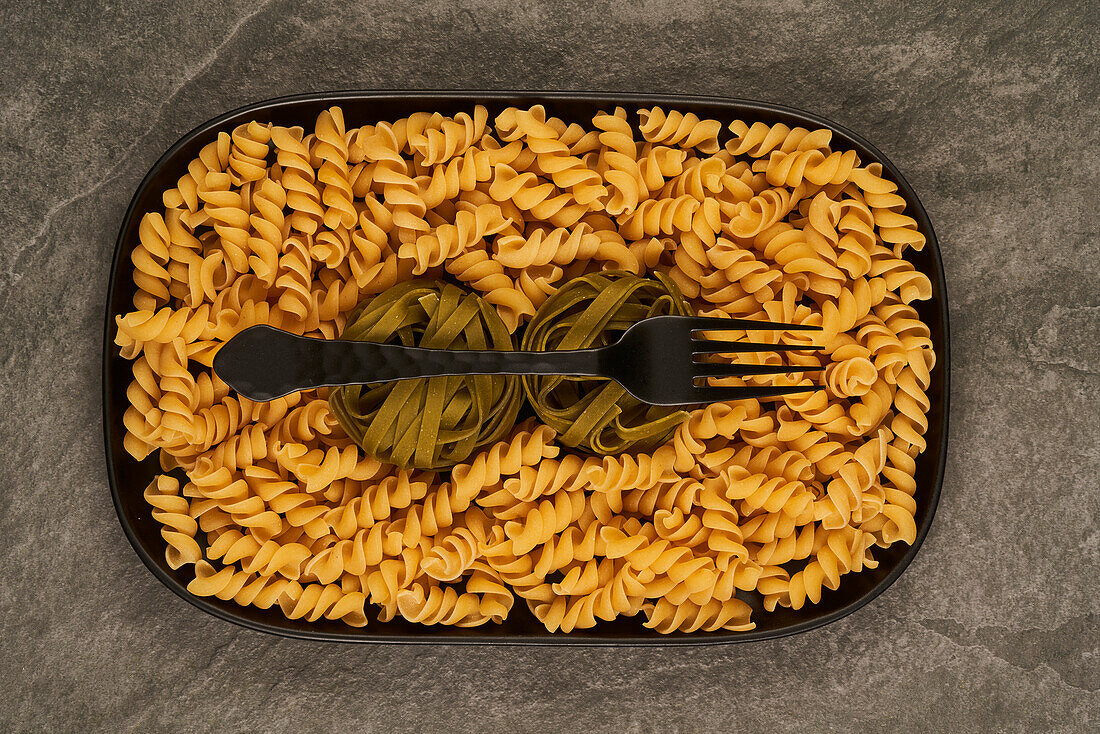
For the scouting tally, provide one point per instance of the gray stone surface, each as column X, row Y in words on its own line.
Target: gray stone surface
column 991, row 112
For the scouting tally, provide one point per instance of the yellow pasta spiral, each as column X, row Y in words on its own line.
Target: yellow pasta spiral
column 214, row 156
column 712, row 615
column 226, row 210
column 760, row 139
column 315, row 601
column 527, row 446
column 455, row 553
column 248, row 151
column 762, row 211
column 539, row 282
column 294, row 277
column 895, row 228
column 623, row 175
column 700, row 178
column 660, row 216
column 399, row 190
column 618, row 590
column 657, row 164
column 268, row 222
column 453, row 137
column 149, row 258
column 676, row 128
column 547, row 478
column 560, row 245
column 553, row 156
column 857, row 237
column 790, row 169
column 462, row 174
column 543, row 200
column 172, row 511
column 450, row 240
column 330, row 145
column 485, row 599
column 298, row 178
column 487, row 276
column 900, row 275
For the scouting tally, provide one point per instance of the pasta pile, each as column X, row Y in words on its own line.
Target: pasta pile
column 594, row 310
column 276, row 506
column 436, row 422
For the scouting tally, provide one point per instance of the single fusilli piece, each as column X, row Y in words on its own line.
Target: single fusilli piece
column 676, row 128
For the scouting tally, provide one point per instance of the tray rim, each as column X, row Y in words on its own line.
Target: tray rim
column 644, row 639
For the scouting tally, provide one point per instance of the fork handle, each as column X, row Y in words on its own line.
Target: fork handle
column 264, row 363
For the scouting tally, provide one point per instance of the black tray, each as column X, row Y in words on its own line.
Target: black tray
column 128, row 477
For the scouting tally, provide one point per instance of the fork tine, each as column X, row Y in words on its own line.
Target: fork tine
column 717, row 346
column 733, row 369
column 715, row 323
column 720, row 394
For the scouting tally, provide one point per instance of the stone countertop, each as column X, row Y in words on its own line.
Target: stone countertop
column 991, row 112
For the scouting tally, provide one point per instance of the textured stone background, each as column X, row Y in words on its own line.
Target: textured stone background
column 990, row 111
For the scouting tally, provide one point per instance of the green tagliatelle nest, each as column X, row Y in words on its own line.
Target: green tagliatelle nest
column 591, row 311
column 435, row 422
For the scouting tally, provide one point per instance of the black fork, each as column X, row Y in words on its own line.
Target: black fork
column 656, row 361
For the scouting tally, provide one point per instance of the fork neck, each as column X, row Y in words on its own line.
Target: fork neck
column 580, row 362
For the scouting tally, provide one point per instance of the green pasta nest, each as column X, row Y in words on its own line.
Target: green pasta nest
column 594, row 310
column 436, row 422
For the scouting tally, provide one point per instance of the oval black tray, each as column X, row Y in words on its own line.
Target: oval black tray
column 129, row 477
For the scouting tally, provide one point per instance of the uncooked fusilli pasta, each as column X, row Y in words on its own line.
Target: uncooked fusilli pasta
column 350, row 505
